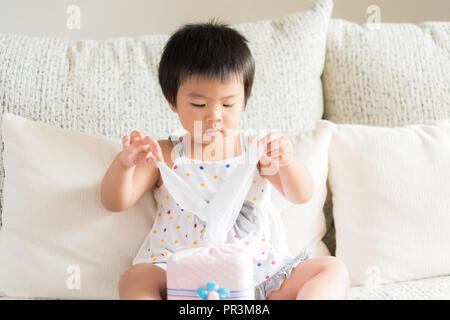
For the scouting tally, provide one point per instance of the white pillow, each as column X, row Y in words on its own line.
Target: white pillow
column 305, row 223
column 54, row 225
column 391, row 202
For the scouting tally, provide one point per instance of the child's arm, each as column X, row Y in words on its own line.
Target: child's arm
column 117, row 186
column 284, row 171
column 131, row 173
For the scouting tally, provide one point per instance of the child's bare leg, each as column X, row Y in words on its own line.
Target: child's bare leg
column 315, row 279
column 143, row 281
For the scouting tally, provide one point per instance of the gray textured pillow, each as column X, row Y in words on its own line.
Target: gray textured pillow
column 393, row 75
column 110, row 87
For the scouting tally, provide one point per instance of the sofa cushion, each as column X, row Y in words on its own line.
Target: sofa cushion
column 391, row 200
column 110, row 87
column 305, row 223
column 57, row 240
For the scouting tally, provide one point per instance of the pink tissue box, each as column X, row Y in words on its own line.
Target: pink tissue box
column 210, row 273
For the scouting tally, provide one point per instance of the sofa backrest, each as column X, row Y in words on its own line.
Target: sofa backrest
column 385, row 74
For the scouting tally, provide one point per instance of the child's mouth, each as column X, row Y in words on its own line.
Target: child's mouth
column 211, row 132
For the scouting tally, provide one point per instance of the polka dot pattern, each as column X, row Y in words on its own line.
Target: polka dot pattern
column 175, row 228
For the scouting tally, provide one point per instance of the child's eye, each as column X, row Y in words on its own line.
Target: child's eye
column 202, row 105
column 198, row 105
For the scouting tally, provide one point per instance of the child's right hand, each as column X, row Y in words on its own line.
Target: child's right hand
column 139, row 150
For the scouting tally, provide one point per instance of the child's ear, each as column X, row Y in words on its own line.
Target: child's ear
column 174, row 109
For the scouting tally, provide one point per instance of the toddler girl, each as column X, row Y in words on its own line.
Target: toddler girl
column 206, row 74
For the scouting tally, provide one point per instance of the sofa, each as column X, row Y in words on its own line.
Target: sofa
column 367, row 108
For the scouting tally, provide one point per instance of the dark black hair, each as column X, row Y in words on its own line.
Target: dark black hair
column 210, row 49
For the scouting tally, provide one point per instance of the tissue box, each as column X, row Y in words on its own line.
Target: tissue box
column 210, row 273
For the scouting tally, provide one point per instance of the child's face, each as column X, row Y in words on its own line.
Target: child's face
column 205, row 103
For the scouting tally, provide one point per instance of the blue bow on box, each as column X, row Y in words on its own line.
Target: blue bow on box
column 213, row 292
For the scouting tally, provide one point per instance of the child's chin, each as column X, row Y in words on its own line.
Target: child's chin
column 208, row 139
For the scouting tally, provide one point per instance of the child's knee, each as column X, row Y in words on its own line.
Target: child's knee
column 142, row 278
column 130, row 276
column 124, row 280
column 338, row 267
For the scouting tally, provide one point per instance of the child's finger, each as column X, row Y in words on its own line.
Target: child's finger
column 144, row 147
column 125, row 141
column 276, row 144
column 150, row 158
column 134, row 136
column 273, row 146
column 155, row 157
column 140, row 135
column 268, row 138
column 274, row 154
column 155, row 147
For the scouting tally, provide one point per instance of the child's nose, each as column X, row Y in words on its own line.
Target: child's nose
column 214, row 115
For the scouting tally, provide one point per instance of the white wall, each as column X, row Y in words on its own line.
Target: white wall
column 113, row 18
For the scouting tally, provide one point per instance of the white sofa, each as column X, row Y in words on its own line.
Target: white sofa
column 309, row 67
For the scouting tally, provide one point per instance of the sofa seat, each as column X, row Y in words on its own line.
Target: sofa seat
column 437, row 288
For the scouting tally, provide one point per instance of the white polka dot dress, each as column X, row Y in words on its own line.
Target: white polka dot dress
column 175, row 228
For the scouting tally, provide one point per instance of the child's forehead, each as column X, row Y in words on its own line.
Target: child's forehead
column 199, row 80
column 195, row 85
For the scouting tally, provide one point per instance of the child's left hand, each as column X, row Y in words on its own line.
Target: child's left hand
column 278, row 148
